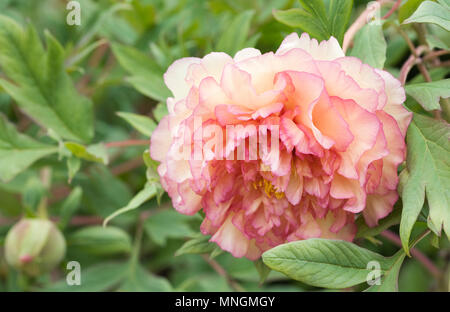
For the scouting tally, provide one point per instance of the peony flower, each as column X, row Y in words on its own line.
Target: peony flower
column 336, row 129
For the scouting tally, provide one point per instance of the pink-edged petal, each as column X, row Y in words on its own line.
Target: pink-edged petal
column 338, row 83
column 378, row 207
column 309, row 228
column 265, row 67
column 364, row 126
column 395, row 98
column 216, row 213
column 223, row 190
column 397, row 152
column 229, row 238
column 268, row 110
column 254, row 252
column 309, row 90
column 184, row 199
column 332, row 222
column 350, row 189
column 373, row 157
column 292, row 136
column 366, row 77
column 331, row 124
column 211, row 94
column 237, row 86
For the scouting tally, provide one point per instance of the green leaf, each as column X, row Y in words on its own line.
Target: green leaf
column 146, row 77
column 103, row 193
column 415, row 277
column 324, row 263
column 313, row 19
column 428, row 173
column 39, row 84
column 151, row 85
column 370, row 45
column 168, row 224
column 32, row 194
column 197, row 245
column 160, row 111
column 70, row 206
column 428, row 94
column 81, row 55
column 152, row 174
column 98, row 240
column 18, row 151
column 407, row 9
column 235, row 36
column 263, row 270
column 365, row 231
column 143, row 124
column 149, row 191
column 140, row 280
column 96, row 153
column 435, row 241
column 98, row 20
column 299, row 18
column 73, row 166
column 216, row 252
column 315, row 7
column 339, row 16
column 432, row 12
column 434, row 41
column 389, row 280
column 99, row 277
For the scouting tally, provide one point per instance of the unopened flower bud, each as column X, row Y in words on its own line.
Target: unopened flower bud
column 34, row 246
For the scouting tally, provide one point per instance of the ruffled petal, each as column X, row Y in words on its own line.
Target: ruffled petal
column 326, row 50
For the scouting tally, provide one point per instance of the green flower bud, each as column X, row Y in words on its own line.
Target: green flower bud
column 34, row 246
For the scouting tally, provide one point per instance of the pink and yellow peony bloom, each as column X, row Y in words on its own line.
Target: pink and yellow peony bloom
column 341, row 136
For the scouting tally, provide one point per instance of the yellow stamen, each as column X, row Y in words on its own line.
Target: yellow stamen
column 269, row 189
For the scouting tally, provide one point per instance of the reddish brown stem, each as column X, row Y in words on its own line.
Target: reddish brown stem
column 406, row 68
column 392, row 10
column 221, row 271
column 127, row 143
column 415, row 253
column 434, row 54
column 127, row 166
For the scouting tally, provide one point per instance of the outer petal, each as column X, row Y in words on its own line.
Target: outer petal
column 210, row 66
column 378, row 207
column 326, row 50
column 338, row 83
column 264, row 68
column 366, row 77
column 397, row 150
column 246, row 54
column 229, row 238
column 364, row 126
column 395, row 98
column 308, row 92
column 161, row 140
column 184, row 199
column 176, row 74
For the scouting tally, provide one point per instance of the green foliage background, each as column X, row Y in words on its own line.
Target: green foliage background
column 68, row 94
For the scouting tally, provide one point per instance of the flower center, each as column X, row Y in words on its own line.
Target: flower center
column 269, row 189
